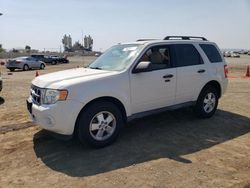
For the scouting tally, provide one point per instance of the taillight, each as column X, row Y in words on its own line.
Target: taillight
column 18, row 62
column 225, row 70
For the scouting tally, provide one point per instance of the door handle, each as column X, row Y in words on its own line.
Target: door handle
column 201, row 71
column 168, row 76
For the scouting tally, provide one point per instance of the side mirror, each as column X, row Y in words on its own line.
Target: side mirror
column 143, row 66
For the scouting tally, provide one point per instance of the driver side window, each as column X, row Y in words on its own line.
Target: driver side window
column 159, row 56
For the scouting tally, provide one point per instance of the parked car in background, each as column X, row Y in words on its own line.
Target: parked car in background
column 231, row 54
column 248, row 53
column 97, row 54
column 235, row 55
column 45, row 58
column 24, row 63
column 59, row 59
column 227, row 54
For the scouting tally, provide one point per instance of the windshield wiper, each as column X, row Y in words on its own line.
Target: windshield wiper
column 98, row 68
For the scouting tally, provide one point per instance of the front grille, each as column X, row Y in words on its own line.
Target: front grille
column 36, row 94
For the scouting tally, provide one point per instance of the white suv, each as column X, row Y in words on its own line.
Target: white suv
column 128, row 81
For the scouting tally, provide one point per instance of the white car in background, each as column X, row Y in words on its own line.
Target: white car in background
column 24, row 63
column 128, row 81
column 236, row 55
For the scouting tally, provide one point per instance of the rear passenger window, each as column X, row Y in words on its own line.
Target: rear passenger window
column 187, row 55
column 211, row 52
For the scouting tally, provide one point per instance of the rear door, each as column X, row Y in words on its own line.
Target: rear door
column 191, row 72
column 35, row 62
column 29, row 62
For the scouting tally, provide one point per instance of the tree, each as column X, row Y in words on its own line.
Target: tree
column 15, row 50
column 1, row 48
column 27, row 48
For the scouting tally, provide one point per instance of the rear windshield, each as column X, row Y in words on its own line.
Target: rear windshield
column 211, row 52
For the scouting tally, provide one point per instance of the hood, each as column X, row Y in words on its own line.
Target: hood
column 45, row 81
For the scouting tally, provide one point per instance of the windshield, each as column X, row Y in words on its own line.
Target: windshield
column 117, row 58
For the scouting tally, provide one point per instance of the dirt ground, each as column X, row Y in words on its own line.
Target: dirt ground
column 171, row 149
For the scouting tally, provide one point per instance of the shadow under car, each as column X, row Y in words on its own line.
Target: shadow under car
column 167, row 135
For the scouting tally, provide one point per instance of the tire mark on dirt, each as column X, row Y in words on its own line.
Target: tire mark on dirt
column 15, row 127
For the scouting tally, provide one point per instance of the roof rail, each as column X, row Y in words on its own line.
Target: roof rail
column 144, row 40
column 183, row 38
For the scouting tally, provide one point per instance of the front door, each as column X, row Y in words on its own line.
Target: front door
column 154, row 89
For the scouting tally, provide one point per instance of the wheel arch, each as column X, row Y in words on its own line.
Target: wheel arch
column 214, row 84
column 113, row 100
column 25, row 64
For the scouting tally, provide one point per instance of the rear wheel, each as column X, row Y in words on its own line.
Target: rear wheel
column 53, row 63
column 26, row 67
column 207, row 102
column 42, row 66
column 11, row 69
column 99, row 124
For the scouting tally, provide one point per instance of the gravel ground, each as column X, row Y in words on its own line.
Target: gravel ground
column 171, row 149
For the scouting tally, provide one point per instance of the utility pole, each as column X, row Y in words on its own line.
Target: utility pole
column 82, row 38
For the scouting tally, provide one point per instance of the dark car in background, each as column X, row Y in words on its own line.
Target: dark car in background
column 59, row 59
column 45, row 58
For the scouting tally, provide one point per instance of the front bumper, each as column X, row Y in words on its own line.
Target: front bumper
column 59, row 118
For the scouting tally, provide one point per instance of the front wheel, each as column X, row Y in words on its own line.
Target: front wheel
column 99, row 124
column 53, row 63
column 207, row 102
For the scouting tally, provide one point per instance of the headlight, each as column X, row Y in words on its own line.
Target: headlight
column 51, row 96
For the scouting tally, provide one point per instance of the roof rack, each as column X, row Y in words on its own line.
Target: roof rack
column 144, row 40
column 183, row 38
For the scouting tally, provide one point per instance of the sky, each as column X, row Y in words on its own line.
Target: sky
column 41, row 24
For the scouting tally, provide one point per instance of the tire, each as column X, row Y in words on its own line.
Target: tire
column 207, row 102
column 42, row 66
column 53, row 63
column 26, row 67
column 11, row 69
column 99, row 124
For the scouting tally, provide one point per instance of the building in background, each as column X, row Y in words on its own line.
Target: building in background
column 77, row 47
column 87, row 46
column 88, row 43
column 67, row 43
